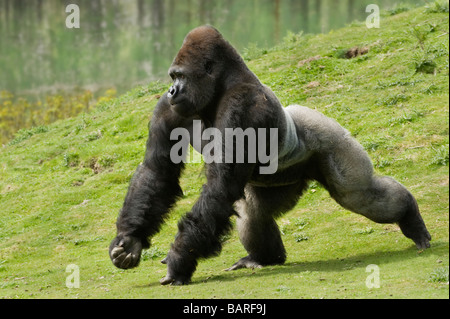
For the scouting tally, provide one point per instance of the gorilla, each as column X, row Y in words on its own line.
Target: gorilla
column 212, row 84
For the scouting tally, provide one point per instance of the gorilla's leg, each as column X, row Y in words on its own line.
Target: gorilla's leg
column 199, row 231
column 348, row 176
column 198, row 237
column 385, row 200
column 344, row 168
column 257, row 228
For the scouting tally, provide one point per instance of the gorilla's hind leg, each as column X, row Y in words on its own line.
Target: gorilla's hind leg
column 385, row 200
column 256, row 225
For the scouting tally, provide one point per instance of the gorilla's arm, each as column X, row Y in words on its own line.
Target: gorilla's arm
column 200, row 230
column 153, row 190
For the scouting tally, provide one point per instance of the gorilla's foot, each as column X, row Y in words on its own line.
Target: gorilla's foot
column 413, row 227
column 174, row 282
column 246, row 262
column 423, row 242
column 179, row 271
column 421, row 238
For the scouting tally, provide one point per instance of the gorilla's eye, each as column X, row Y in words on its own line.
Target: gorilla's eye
column 208, row 67
column 177, row 75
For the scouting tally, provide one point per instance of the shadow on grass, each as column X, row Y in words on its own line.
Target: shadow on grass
column 329, row 265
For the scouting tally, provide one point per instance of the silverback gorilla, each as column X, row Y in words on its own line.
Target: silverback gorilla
column 211, row 83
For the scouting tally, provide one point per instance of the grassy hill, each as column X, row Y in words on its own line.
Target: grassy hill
column 62, row 185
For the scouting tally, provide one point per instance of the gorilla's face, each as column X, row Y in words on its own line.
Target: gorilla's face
column 192, row 89
column 177, row 92
column 196, row 71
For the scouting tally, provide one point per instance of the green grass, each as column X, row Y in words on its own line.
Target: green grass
column 62, row 185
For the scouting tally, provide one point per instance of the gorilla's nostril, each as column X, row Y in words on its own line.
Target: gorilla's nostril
column 172, row 91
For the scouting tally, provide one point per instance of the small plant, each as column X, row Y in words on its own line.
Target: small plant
column 300, row 223
column 406, row 118
column 2, row 267
column 71, row 159
column 381, row 163
column 80, row 127
column 300, row 237
column 152, row 88
column 152, row 253
column 253, row 52
column 421, row 34
column 423, row 63
column 365, row 231
column 439, row 275
column 392, row 100
column 440, row 155
column 96, row 135
column 399, row 8
column 283, row 289
column 292, row 39
column 25, row 134
column 107, row 160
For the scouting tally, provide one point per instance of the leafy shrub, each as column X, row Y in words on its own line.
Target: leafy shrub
column 18, row 114
column 439, row 6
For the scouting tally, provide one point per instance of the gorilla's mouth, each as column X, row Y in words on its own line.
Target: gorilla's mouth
column 183, row 108
column 177, row 99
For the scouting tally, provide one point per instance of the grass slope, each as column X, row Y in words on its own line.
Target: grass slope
column 61, row 186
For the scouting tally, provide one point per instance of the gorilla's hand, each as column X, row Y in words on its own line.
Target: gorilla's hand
column 125, row 251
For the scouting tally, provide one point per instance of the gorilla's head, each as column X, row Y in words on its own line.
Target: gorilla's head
column 198, row 70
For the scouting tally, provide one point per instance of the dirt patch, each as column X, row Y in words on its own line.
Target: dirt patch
column 94, row 164
column 355, row 52
column 312, row 84
column 308, row 60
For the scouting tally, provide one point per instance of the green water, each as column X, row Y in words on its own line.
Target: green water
column 125, row 42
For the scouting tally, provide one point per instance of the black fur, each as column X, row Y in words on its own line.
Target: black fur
column 213, row 84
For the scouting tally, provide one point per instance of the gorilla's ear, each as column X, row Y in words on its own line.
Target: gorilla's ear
column 209, row 66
